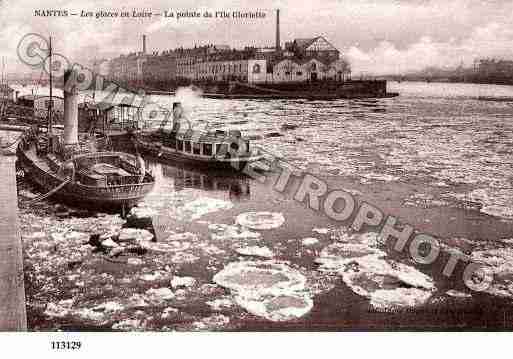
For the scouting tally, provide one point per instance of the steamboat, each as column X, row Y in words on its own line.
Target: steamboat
column 76, row 168
column 226, row 150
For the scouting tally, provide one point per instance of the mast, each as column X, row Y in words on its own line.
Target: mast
column 50, row 105
column 3, row 69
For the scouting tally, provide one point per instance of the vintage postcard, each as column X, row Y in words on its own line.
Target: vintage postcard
column 251, row 166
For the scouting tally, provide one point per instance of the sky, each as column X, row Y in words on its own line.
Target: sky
column 376, row 36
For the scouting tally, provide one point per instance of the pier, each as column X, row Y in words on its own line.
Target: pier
column 12, row 289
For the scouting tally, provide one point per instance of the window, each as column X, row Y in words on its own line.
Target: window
column 287, row 72
column 196, row 148
column 256, row 68
column 207, row 149
column 171, row 142
column 188, row 146
column 299, row 73
column 179, row 145
column 221, row 149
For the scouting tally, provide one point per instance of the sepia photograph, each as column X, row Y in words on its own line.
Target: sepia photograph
column 272, row 166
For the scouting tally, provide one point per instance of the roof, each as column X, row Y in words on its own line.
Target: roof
column 31, row 97
column 303, row 44
column 212, row 137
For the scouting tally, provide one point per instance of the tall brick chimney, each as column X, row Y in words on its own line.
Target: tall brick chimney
column 278, row 47
column 144, row 45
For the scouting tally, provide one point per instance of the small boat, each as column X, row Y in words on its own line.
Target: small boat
column 103, row 180
column 216, row 149
column 76, row 168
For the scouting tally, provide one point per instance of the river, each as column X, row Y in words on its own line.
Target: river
column 437, row 157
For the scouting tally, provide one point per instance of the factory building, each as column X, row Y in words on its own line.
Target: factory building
column 301, row 60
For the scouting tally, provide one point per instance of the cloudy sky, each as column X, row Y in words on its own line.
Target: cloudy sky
column 377, row 36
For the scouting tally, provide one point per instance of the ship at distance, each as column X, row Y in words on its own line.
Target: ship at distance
column 303, row 68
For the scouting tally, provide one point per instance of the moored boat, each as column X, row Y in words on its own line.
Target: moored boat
column 103, row 180
column 217, row 149
column 74, row 168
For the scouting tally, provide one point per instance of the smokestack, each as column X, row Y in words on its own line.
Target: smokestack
column 70, row 109
column 278, row 47
column 144, row 45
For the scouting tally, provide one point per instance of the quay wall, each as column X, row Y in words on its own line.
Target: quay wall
column 13, row 315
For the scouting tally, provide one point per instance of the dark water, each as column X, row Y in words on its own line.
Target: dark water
column 436, row 157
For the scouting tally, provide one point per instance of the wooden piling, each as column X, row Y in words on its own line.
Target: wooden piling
column 13, row 315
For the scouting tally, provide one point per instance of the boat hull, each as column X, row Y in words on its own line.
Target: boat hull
column 78, row 195
column 168, row 154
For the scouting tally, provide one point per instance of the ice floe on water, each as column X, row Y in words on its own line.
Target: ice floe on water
column 399, row 298
column 182, row 282
column 205, row 205
column 159, row 295
column 309, row 241
column 214, row 322
column 336, row 256
column 221, row 232
column 458, row 294
column 260, row 220
column 269, row 289
column 255, row 251
column 424, row 200
column 497, row 263
column 492, row 201
column 277, row 308
column 366, row 271
column 221, row 303
column 134, row 235
column 321, row 230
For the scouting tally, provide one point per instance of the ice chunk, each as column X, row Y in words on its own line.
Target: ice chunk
column 205, row 205
column 60, row 309
column 309, row 241
column 178, row 282
column 134, row 261
column 133, row 234
column 255, row 251
column 269, row 289
column 336, row 256
column 277, row 308
column 231, row 232
column 161, row 247
column 142, row 212
column 412, row 276
column 458, row 294
column 220, row 303
column 160, row 294
column 321, row 230
column 260, row 220
column 128, row 324
column 35, row 235
column 109, row 307
column 213, row 322
column 399, row 298
column 261, row 278
column 109, row 243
